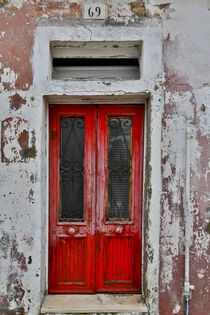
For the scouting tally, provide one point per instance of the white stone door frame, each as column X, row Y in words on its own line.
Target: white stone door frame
column 147, row 89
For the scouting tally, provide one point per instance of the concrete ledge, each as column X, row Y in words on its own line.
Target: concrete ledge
column 97, row 303
column 130, row 313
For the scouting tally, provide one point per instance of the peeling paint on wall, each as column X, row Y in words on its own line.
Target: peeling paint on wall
column 14, row 138
column 17, row 265
column 180, row 94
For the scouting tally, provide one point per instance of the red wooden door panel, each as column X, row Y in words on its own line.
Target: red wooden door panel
column 119, row 186
column 71, row 250
column 95, row 205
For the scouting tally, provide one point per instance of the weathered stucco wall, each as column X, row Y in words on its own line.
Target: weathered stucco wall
column 180, row 94
column 187, row 92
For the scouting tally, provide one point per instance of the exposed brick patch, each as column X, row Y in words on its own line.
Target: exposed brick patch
column 23, row 139
column 76, row 10
column 60, row 9
column 16, row 101
column 16, row 46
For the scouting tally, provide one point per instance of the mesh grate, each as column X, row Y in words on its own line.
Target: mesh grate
column 119, row 168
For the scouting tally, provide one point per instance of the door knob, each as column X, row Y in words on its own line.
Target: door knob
column 72, row 230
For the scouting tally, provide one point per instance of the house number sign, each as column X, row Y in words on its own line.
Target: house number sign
column 94, row 11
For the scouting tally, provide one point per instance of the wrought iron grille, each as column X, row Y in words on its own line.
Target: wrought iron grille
column 119, row 168
column 72, row 169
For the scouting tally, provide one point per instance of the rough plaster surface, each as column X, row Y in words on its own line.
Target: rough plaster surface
column 178, row 29
column 186, row 91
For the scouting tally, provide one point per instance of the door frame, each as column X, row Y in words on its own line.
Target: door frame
column 139, row 99
column 147, row 90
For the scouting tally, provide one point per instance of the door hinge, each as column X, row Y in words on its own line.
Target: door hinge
column 53, row 133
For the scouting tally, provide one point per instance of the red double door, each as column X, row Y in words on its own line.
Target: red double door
column 95, row 198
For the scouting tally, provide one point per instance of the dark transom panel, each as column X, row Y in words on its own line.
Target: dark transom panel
column 72, row 169
column 119, row 168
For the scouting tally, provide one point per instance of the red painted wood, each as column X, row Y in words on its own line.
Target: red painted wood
column 96, row 258
column 118, row 258
column 71, row 257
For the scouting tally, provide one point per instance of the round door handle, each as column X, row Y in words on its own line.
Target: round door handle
column 72, row 230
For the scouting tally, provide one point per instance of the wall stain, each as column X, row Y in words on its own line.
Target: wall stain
column 15, row 255
column 149, row 253
column 33, row 178
column 31, row 196
column 28, row 152
column 207, row 228
column 29, row 241
column 3, row 3
column 4, row 244
column 29, row 260
column 163, row 6
column 175, row 82
column 139, row 9
column 14, row 312
column 33, row 138
column 15, row 289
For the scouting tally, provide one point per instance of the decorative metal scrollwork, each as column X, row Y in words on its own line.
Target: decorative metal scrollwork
column 120, row 123
column 72, row 169
column 72, row 122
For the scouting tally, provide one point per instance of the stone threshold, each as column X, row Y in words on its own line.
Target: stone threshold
column 93, row 303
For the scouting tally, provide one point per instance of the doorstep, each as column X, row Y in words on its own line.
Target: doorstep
column 95, row 303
